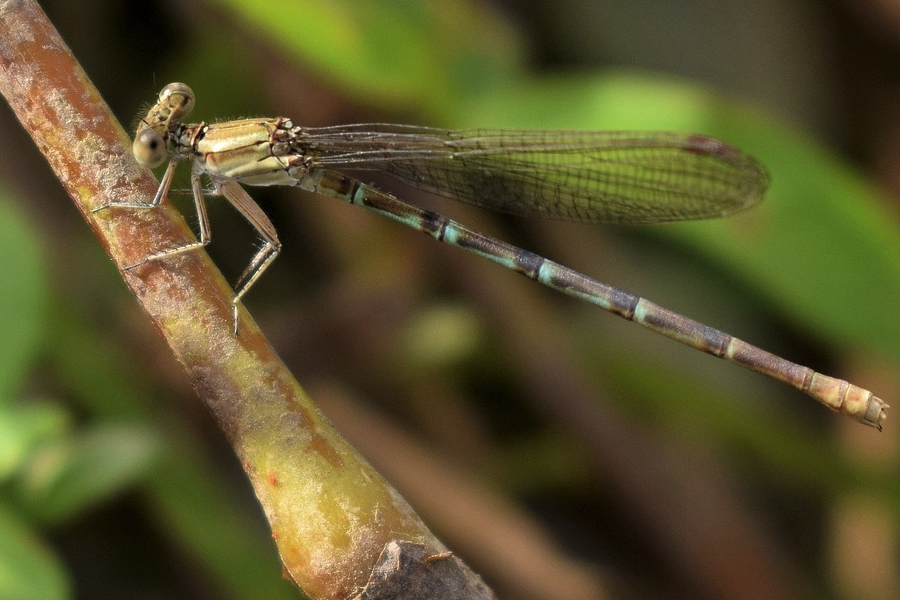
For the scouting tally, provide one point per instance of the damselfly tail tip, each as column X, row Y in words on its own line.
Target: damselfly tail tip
column 858, row 403
column 875, row 413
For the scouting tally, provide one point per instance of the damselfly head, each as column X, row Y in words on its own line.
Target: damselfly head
column 149, row 148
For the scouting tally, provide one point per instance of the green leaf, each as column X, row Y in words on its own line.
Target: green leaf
column 23, row 294
column 76, row 472
column 24, row 428
column 28, row 569
column 403, row 55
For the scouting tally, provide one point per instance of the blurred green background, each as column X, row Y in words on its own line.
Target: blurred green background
column 659, row 471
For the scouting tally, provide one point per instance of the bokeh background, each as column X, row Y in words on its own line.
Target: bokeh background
column 560, row 451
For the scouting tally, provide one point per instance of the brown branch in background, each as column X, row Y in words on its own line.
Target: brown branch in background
column 340, row 529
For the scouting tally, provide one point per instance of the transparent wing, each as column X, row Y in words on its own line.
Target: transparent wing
column 587, row 176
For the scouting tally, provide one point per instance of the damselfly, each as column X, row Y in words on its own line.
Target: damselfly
column 587, row 176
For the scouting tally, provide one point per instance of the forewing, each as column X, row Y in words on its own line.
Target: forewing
column 588, row 176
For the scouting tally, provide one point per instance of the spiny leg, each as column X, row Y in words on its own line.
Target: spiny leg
column 161, row 192
column 251, row 211
column 200, row 206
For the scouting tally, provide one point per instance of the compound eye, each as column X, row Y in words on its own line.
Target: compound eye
column 149, row 149
column 186, row 102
